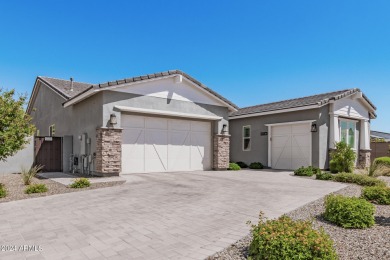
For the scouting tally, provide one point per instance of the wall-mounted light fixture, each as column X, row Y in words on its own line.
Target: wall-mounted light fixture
column 314, row 127
column 224, row 129
column 113, row 120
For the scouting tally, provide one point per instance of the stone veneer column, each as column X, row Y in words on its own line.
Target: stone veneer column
column 364, row 158
column 108, row 160
column 221, row 152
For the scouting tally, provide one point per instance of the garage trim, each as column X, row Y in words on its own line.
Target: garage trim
column 286, row 123
column 165, row 113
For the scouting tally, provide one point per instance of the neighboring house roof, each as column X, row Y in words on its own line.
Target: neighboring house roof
column 63, row 86
column 383, row 135
column 302, row 102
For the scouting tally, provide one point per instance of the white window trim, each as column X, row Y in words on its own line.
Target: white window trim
column 243, row 138
column 51, row 131
column 353, row 121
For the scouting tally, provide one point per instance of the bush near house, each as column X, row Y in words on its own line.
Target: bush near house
column 284, row 238
column 325, row 176
column 349, row 212
column 3, row 191
column 36, row 188
column 80, row 183
column 342, row 158
column 380, row 167
column 256, row 165
column 307, row 171
column 234, row 167
column 363, row 180
column 377, row 195
column 242, row 165
column 28, row 175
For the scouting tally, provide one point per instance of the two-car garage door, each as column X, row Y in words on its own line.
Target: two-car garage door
column 155, row 144
column 290, row 146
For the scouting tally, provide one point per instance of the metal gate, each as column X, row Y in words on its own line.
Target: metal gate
column 48, row 152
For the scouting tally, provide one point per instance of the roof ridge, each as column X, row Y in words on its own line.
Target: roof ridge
column 291, row 99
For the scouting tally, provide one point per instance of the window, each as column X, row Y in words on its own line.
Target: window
column 348, row 132
column 52, row 130
column 38, row 132
column 246, row 138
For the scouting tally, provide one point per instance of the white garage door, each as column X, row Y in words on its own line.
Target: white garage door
column 152, row 144
column 291, row 146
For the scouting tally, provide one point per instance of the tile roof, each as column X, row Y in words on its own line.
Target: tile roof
column 383, row 135
column 63, row 87
column 320, row 99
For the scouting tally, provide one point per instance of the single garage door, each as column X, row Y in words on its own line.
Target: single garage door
column 154, row 144
column 291, row 146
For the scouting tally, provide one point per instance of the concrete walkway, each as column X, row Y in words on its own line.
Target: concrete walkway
column 67, row 179
column 153, row 216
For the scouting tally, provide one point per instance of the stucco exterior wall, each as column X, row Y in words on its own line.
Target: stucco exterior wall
column 112, row 98
column 22, row 159
column 259, row 145
column 48, row 110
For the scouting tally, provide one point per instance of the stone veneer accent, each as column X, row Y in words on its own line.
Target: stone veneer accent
column 108, row 151
column 364, row 159
column 221, row 152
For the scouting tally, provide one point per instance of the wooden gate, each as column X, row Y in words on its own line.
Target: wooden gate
column 48, row 152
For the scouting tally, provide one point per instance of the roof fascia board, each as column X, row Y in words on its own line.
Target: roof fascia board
column 165, row 113
column 231, row 108
column 276, row 111
column 86, row 94
column 32, row 97
column 292, row 123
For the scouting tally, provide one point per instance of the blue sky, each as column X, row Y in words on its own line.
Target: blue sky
column 251, row 52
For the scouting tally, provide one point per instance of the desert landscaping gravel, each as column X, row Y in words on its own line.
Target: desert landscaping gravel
column 371, row 243
column 15, row 187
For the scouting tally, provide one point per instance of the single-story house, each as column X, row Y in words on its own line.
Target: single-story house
column 169, row 121
column 301, row 132
column 380, row 135
column 153, row 123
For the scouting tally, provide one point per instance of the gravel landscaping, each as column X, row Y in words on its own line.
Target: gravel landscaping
column 371, row 243
column 15, row 187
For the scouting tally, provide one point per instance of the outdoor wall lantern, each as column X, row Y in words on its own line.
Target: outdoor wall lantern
column 224, row 129
column 113, row 120
column 314, row 127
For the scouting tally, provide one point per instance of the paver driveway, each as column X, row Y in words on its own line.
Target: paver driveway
column 153, row 216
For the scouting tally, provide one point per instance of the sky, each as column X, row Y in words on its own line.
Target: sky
column 251, row 52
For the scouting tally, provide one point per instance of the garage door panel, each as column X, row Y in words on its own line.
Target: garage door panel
column 290, row 146
column 167, row 144
column 200, row 126
column 132, row 122
column 180, row 125
column 281, row 130
column 156, row 123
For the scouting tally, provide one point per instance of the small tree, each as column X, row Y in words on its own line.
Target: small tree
column 343, row 158
column 15, row 124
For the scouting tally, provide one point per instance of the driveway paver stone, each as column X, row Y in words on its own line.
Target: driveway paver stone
column 154, row 216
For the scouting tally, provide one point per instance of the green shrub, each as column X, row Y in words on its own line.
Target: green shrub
column 234, row 167
column 378, row 195
column 343, row 158
column 324, row 176
column 380, row 166
column 27, row 175
column 35, row 188
column 349, row 212
column 284, row 238
column 242, row 165
column 80, row 183
column 333, row 166
column 307, row 171
column 256, row 165
column 3, row 191
column 359, row 179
